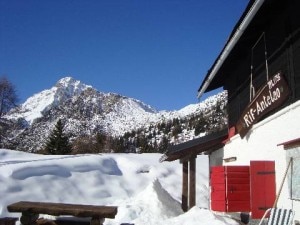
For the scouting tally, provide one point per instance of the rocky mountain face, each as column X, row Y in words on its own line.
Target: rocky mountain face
column 86, row 111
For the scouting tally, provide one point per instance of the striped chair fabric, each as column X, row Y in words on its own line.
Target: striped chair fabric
column 279, row 216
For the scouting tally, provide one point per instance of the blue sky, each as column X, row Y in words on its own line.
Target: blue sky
column 156, row 51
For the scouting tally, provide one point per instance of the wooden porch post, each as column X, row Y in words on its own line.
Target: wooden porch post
column 185, row 184
column 192, row 186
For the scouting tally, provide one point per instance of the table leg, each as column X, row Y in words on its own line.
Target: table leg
column 28, row 218
column 97, row 221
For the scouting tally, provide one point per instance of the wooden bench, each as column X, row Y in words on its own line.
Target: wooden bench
column 31, row 210
column 8, row 221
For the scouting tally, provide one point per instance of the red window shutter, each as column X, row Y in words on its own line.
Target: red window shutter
column 218, row 189
column 263, row 188
column 230, row 188
column 238, row 188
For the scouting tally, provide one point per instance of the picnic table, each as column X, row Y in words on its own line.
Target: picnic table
column 31, row 210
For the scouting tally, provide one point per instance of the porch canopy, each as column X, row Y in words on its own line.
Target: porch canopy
column 202, row 145
column 291, row 144
column 187, row 153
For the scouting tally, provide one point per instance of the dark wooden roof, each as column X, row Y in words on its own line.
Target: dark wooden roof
column 241, row 48
column 205, row 144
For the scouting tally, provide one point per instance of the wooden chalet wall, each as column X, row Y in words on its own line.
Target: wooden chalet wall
column 280, row 22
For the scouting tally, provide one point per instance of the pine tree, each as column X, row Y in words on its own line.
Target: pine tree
column 100, row 142
column 176, row 130
column 58, row 143
column 201, row 125
column 163, row 144
column 118, row 145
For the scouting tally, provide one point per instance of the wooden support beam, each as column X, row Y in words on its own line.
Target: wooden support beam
column 185, row 184
column 192, row 186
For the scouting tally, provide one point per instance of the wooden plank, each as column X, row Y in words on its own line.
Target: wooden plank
column 218, row 206
column 238, row 175
column 239, row 180
column 217, row 178
column 218, row 196
column 236, row 169
column 237, row 187
column 239, row 196
column 218, row 187
column 185, row 184
column 238, row 206
column 58, row 209
column 217, row 169
column 192, row 187
column 8, row 221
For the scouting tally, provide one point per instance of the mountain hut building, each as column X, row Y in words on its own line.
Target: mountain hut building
column 255, row 163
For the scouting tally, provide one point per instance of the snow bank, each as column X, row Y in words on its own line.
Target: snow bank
column 146, row 192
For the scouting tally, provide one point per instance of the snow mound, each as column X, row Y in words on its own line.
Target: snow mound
column 155, row 206
column 152, row 203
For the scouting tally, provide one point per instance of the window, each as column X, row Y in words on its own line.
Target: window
column 294, row 177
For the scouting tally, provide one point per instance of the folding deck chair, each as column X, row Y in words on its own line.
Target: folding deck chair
column 279, row 216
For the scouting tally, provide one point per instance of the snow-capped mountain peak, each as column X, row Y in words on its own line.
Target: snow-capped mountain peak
column 35, row 106
column 86, row 111
column 71, row 86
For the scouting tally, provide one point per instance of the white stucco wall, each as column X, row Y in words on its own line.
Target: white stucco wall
column 261, row 144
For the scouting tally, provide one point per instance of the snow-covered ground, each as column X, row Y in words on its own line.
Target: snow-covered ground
column 146, row 191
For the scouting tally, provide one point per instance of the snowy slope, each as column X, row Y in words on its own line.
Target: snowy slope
column 146, row 192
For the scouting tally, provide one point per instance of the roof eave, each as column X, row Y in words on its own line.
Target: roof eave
column 229, row 46
column 202, row 145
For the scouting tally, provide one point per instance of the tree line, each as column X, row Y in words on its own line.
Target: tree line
column 58, row 143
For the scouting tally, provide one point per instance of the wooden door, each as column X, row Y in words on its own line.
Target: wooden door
column 263, row 188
